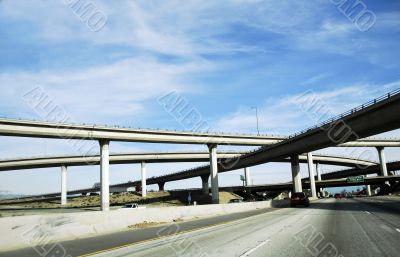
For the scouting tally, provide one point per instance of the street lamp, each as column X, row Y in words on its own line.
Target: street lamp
column 258, row 131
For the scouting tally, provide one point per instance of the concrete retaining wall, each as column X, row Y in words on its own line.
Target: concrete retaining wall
column 25, row 231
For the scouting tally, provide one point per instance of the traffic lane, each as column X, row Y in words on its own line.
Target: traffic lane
column 232, row 239
column 336, row 228
column 387, row 210
column 328, row 228
column 98, row 243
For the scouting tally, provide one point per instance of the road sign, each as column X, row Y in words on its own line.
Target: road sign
column 355, row 179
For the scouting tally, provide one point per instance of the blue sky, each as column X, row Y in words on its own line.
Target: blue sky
column 223, row 57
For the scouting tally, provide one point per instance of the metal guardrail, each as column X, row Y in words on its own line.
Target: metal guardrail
column 141, row 129
column 117, row 154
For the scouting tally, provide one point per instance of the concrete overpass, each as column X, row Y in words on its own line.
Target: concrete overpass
column 40, row 129
column 160, row 157
column 367, row 120
column 338, row 182
column 337, row 179
column 374, row 169
column 364, row 121
column 27, row 128
column 129, row 158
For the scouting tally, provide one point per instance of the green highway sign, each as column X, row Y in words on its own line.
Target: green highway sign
column 355, row 179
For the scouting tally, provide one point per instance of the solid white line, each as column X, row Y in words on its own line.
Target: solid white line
column 398, row 230
column 255, row 248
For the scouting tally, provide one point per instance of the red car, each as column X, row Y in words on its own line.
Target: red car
column 338, row 196
column 299, row 199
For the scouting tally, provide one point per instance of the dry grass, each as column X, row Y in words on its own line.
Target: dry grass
column 145, row 225
column 156, row 199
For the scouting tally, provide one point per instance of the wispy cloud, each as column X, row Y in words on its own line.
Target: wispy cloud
column 285, row 116
column 109, row 91
column 316, row 78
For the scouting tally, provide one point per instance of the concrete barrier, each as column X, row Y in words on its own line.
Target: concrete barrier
column 28, row 231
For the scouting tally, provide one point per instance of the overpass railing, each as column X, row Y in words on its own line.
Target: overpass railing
column 349, row 112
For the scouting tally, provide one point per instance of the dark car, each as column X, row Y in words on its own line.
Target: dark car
column 338, row 196
column 235, row 201
column 299, row 199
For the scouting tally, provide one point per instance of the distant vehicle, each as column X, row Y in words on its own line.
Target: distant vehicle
column 131, row 206
column 92, row 194
column 299, row 199
column 235, row 201
column 338, row 196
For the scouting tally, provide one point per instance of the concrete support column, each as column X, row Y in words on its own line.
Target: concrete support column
column 318, row 168
column 369, row 190
column 204, row 184
column 214, row 173
column 247, row 176
column 368, row 187
column 63, row 184
column 144, row 184
column 104, row 175
column 161, row 186
column 382, row 162
column 297, row 187
column 311, row 175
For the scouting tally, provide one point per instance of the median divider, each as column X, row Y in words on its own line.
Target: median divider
column 29, row 231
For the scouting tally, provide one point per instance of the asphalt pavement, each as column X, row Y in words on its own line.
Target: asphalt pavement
column 347, row 227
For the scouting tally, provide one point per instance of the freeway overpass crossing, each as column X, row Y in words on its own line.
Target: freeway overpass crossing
column 367, row 120
column 40, row 129
column 158, row 157
column 337, row 182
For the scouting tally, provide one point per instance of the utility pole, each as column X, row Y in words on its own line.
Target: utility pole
column 258, row 131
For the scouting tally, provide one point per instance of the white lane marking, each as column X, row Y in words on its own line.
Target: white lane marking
column 255, row 248
column 398, row 230
column 367, row 212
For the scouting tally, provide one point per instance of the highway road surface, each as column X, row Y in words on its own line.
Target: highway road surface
column 347, row 227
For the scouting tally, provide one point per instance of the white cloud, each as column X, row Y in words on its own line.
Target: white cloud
column 297, row 112
column 316, row 78
column 171, row 27
column 105, row 92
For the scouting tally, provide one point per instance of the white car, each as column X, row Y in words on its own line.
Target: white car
column 132, row 206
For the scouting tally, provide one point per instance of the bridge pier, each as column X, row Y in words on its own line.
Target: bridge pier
column 204, row 184
column 104, row 175
column 161, row 186
column 214, row 173
column 369, row 190
column 297, row 187
column 319, row 179
column 382, row 162
column 318, row 168
column 247, row 176
column 144, row 184
column 311, row 175
column 63, row 184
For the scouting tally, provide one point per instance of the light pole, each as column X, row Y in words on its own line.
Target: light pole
column 258, row 131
